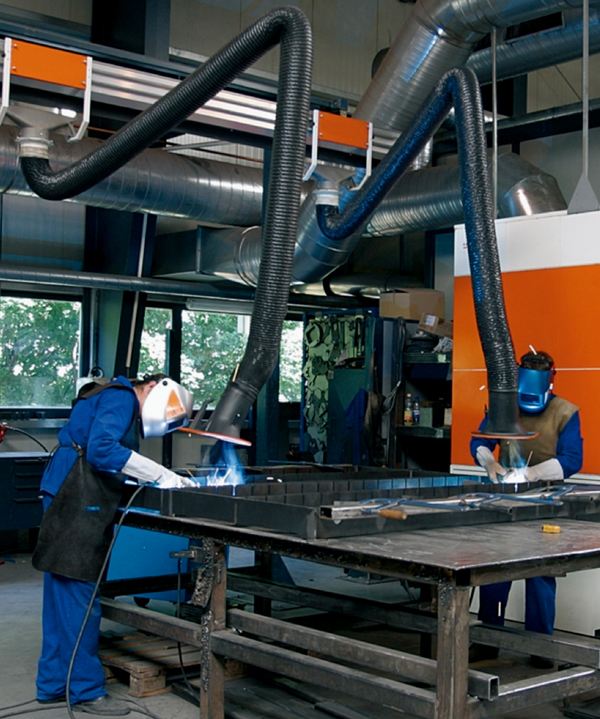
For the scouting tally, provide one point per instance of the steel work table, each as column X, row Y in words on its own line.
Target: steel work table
column 451, row 559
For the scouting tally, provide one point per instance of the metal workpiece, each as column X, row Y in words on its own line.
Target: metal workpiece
column 343, row 506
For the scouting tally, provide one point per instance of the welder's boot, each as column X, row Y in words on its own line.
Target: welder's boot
column 103, row 706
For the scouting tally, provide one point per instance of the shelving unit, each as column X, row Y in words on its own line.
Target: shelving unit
column 428, row 376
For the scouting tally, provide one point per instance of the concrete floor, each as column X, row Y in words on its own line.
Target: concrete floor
column 20, row 640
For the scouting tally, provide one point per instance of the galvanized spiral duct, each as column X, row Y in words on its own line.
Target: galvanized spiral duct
column 460, row 88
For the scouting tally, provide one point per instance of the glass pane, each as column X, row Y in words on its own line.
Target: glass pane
column 39, row 352
column 290, row 362
column 153, row 350
column 211, row 347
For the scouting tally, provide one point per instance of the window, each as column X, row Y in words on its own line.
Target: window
column 39, row 351
column 290, row 362
column 153, row 349
column 211, row 347
column 212, row 344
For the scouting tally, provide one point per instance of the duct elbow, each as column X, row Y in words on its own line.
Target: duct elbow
column 524, row 189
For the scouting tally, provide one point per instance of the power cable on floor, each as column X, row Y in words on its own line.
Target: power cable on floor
column 14, row 706
column 189, row 687
column 139, row 707
column 91, row 602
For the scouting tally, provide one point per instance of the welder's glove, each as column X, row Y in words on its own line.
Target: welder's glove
column 550, row 469
column 147, row 471
column 486, row 459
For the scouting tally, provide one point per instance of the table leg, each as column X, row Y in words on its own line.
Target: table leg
column 452, row 651
column 212, row 675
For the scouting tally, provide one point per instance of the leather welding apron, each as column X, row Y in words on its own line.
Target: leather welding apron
column 77, row 527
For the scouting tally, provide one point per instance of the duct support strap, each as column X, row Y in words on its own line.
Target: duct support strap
column 290, row 28
column 460, row 88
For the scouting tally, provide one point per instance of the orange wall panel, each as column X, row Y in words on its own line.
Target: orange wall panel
column 556, row 310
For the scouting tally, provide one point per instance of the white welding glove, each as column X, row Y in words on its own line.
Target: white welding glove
column 550, row 469
column 486, row 459
column 147, row 471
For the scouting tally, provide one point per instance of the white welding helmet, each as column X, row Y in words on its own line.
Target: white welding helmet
column 168, row 406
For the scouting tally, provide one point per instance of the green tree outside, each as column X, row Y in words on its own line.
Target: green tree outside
column 40, row 340
column 39, row 352
column 212, row 346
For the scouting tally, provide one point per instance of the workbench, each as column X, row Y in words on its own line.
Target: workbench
column 452, row 560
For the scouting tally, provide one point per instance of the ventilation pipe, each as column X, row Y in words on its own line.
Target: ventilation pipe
column 154, row 182
column 289, row 28
column 432, row 198
column 168, row 184
column 156, row 286
column 459, row 87
column 538, row 50
column 436, row 36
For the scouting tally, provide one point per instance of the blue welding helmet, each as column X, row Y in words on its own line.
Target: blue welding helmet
column 536, row 379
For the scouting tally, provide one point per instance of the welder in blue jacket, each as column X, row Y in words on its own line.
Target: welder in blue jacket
column 81, row 490
column 556, row 453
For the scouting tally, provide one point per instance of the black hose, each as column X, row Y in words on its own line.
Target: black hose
column 27, row 434
column 458, row 87
column 289, row 27
column 279, row 231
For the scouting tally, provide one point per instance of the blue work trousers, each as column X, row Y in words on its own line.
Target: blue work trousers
column 65, row 602
column 540, row 603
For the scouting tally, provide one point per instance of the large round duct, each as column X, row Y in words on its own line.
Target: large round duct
column 431, row 198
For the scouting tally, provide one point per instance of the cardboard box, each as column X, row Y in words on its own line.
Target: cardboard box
column 411, row 303
column 435, row 325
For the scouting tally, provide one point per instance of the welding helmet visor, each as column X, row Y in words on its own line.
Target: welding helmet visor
column 167, row 407
column 535, row 389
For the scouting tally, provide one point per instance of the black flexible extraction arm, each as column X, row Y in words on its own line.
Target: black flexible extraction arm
column 288, row 27
column 458, row 87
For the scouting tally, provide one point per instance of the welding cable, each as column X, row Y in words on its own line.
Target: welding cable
column 15, row 706
column 22, row 431
column 458, row 87
column 34, row 710
column 289, row 27
column 91, row 602
column 184, row 675
column 141, row 709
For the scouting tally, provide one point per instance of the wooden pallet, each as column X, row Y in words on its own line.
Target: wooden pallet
column 148, row 661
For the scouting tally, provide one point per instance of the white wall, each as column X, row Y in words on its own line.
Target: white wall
column 347, row 34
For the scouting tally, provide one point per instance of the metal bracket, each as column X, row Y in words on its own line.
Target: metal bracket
column 50, row 65
column 341, row 131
